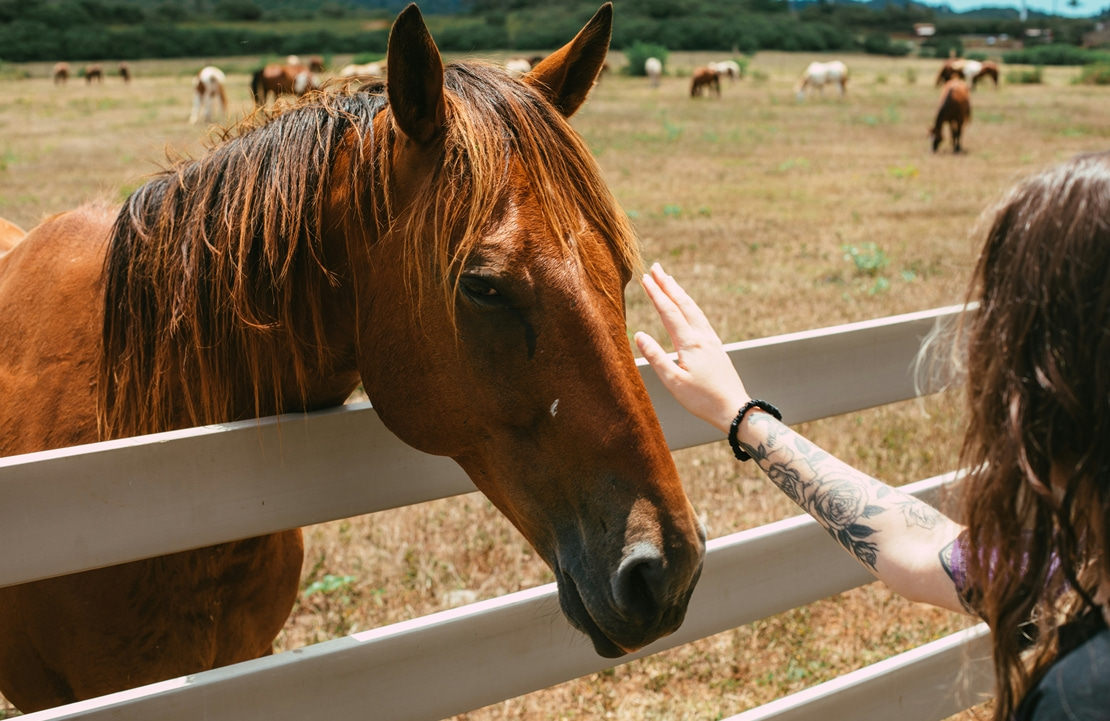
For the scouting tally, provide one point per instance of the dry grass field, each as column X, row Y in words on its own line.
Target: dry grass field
column 777, row 215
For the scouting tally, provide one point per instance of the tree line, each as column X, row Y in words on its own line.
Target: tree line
column 43, row 30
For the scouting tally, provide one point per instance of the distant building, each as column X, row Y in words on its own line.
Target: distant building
column 924, row 30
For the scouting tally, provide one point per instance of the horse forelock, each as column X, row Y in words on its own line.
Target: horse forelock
column 494, row 119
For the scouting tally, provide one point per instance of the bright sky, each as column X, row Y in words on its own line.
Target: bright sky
column 1086, row 8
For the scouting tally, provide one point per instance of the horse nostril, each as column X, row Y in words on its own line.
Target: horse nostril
column 639, row 583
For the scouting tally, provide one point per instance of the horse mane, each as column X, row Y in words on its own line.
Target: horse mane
column 217, row 263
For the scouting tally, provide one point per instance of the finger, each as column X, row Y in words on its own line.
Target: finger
column 674, row 320
column 678, row 295
column 657, row 358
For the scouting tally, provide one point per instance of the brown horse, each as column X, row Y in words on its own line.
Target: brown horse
column 125, row 72
column 447, row 240
column 94, row 72
column 989, row 70
column 277, row 80
column 954, row 110
column 704, row 79
column 61, row 73
column 10, row 234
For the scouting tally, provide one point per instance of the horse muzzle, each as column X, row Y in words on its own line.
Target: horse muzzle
column 643, row 598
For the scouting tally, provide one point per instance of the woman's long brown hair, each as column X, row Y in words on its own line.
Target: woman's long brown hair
column 1038, row 442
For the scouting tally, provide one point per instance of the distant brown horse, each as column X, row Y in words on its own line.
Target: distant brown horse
column 954, row 111
column 316, row 63
column 125, row 72
column 705, row 79
column 61, row 73
column 94, row 72
column 277, row 79
column 989, row 70
column 449, row 242
column 10, row 234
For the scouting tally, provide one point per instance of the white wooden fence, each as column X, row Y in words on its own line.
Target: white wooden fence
column 106, row 503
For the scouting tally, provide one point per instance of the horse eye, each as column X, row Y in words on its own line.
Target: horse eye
column 481, row 291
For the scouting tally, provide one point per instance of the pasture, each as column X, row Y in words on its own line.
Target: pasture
column 778, row 216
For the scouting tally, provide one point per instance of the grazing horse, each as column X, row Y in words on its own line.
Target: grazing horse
column 706, row 79
column 208, row 87
column 316, row 63
column 10, row 234
column 970, row 70
column 818, row 75
column 278, row 79
column 653, row 67
column 125, row 72
column 989, row 69
column 954, row 110
column 518, row 66
column 368, row 72
column 728, row 68
column 94, row 72
column 449, row 242
column 61, row 73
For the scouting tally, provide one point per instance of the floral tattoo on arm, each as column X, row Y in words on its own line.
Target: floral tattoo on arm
column 840, row 498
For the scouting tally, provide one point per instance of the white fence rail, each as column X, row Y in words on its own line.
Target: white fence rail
column 106, row 503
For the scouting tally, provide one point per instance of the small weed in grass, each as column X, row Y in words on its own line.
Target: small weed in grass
column 672, row 211
column 911, row 76
column 909, row 171
column 868, row 258
column 793, row 163
column 880, row 79
column 760, row 75
column 328, row 584
column 1034, row 76
column 672, row 131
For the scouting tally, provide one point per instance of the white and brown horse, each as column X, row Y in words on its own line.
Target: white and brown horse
column 208, row 88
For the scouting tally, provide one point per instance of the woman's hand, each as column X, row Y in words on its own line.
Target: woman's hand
column 703, row 380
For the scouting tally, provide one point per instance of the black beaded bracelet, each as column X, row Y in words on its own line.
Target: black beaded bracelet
column 739, row 452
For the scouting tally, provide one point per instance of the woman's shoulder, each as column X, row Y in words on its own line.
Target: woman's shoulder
column 1075, row 688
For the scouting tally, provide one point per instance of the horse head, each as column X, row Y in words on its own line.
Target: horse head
column 502, row 342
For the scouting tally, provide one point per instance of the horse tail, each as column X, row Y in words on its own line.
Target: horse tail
column 257, row 88
column 223, row 97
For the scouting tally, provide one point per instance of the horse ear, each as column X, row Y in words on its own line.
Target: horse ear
column 567, row 75
column 415, row 84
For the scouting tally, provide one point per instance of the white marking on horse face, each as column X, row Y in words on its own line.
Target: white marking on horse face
column 554, row 407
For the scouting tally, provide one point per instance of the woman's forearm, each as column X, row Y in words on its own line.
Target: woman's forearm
column 896, row 536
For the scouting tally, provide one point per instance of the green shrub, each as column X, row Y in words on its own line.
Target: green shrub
column 976, row 56
column 1094, row 75
column 1057, row 54
column 1026, row 76
column 942, row 46
column 879, row 43
column 638, row 52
